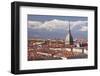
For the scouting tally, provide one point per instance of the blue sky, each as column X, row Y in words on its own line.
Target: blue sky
column 51, row 27
column 50, row 17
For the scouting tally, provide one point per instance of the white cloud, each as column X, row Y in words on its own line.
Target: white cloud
column 34, row 24
column 83, row 29
column 58, row 24
column 79, row 24
column 54, row 24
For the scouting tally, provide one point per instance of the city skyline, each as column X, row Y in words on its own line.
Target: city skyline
column 52, row 37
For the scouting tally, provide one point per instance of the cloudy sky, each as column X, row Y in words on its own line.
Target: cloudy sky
column 46, row 26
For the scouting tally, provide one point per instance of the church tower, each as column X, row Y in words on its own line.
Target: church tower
column 69, row 38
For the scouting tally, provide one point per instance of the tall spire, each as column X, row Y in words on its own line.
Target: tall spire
column 69, row 38
column 69, row 27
